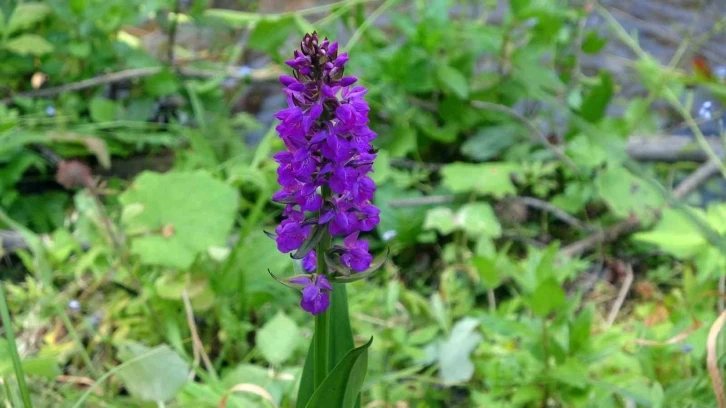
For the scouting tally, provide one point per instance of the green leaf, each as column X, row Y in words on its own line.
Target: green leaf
column 342, row 386
column 184, row 214
column 580, row 330
column 593, row 43
column 29, row 44
column 547, row 297
column 26, row 15
column 627, row 194
column 278, row 339
column 158, row 377
column 341, row 342
column 595, row 105
column 452, row 79
column 487, row 178
column 102, row 110
column 162, row 84
column 676, row 235
column 454, row 363
column 79, row 49
column 491, row 141
column 487, row 270
column 440, row 219
column 479, row 219
column 270, row 34
column 571, row 372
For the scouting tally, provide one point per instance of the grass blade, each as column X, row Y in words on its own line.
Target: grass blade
column 13, row 347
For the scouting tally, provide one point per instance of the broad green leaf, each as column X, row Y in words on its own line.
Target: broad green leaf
column 157, row 375
column 479, row 219
column 440, row 219
column 184, row 213
column 626, row 194
column 488, row 178
column 571, row 372
column 594, row 106
column 455, row 366
column 675, row 234
column 102, row 110
column 29, row 44
column 341, row 387
column 452, row 79
column 278, row 339
column 341, row 342
column 26, row 15
column 547, row 297
column 487, row 270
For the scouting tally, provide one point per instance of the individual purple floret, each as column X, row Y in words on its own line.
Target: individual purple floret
column 315, row 294
column 310, row 262
column 324, row 170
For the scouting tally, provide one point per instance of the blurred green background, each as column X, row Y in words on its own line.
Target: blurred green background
column 550, row 180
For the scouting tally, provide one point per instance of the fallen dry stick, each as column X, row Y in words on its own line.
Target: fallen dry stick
column 712, row 360
column 685, row 188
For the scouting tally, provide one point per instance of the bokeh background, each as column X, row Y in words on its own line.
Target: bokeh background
column 549, row 174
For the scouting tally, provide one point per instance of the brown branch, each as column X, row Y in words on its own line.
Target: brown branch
column 670, row 148
column 683, row 190
column 263, row 74
column 556, row 212
column 622, row 294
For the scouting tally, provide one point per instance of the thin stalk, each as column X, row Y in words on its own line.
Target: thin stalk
column 77, row 338
column 13, row 348
column 321, row 337
column 546, row 357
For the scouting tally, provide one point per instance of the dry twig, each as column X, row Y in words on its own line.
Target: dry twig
column 196, row 341
column 712, row 360
column 685, row 188
column 627, row 283
column 263, row 74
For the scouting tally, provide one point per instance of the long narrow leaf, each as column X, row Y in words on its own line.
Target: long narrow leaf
column 341, row 342
column 342, row 386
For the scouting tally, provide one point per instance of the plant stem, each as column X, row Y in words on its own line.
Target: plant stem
column 13, row 348
column 77, row 338
column 546, row 358
column 321, row 347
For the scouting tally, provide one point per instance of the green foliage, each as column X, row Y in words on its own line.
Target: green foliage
column 152, row 374
column 342, row 386
column 173, row 228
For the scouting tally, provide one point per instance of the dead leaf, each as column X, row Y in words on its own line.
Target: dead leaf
column 659, row 314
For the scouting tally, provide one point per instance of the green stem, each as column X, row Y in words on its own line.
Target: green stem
column 77, row 338
column 13, row 348
column 322, row 346
column 321, row 337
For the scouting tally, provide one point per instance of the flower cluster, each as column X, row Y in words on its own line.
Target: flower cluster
column 324, row 171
